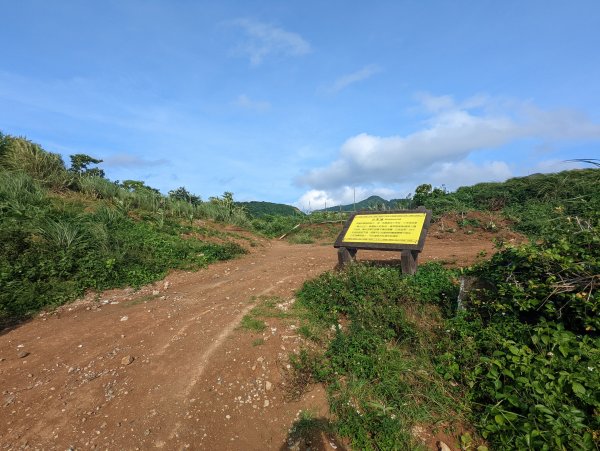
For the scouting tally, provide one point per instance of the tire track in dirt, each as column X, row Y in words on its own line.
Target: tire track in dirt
column 73, row 390
column 194, row 382
column 203, row 361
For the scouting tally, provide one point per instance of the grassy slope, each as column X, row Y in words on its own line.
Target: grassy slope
column 62, row 233
column 258, row 209
column 519, row 359
column 370, row 203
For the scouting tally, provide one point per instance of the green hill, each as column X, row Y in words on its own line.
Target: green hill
column 532, row 202
column 371, row 203
column 259, row 209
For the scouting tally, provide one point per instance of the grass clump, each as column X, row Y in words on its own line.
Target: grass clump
column 253, row 324
column 378, row 364
column 267, row 307
column 301, row 238
column 311, row 432
column 275, row 226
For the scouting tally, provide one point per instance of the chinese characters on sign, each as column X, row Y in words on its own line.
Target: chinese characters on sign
column 402, row 228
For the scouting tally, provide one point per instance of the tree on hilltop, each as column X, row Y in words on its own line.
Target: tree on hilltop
column 184, row 195
column 80, row 163
column 137, row 186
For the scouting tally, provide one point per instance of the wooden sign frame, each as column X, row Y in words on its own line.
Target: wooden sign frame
column 409, row 252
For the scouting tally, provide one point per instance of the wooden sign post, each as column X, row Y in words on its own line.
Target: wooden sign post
column 403, row 231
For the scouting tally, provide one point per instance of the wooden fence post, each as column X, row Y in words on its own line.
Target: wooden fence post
column 346, row 255
column 408, row 261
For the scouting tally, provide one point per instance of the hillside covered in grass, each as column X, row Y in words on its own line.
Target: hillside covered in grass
column 501, row 355
column 533, row 202
column 371, row 203
column 258, row 209
column 65, row 230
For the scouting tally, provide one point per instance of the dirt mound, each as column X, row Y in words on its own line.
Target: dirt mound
column 487, row 225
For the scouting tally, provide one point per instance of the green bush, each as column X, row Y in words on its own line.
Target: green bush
column 274, row 226
column 541, row 393
column 21, row 155
column 378, row 364
column 532, row 202
column 553, row 279
column 527, row 347
column 54, row 257
column 522, row 352
column 53, row 248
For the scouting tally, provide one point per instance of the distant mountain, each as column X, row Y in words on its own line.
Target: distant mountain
column 372, row 203
column 259, row 209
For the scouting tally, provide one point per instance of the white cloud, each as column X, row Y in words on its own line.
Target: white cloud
column 124, row 160
column 318, row 199
column 464, row 173
column 243, row 101
column 451, row 133
column 265, row 39
column 349, row 79
column 435, row 104
column 554, row 165
column 439, row 152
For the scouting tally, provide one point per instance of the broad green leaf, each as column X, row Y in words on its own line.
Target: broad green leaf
column 578, row 388
column 543, row 409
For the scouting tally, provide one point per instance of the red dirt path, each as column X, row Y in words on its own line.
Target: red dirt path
column 196, row 381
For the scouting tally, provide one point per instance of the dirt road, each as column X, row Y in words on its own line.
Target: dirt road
column 167, row 367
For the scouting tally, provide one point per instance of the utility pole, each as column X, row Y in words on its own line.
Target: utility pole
column 354, row 198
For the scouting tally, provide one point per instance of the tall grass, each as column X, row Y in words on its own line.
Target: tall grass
column 20, row 195
column 21, row 157
column 223, row 213
column 44, row 167
column 54, row 247
column 98, row 187
column 63, row 233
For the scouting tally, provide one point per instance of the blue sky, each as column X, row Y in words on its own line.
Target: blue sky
column 305, row 101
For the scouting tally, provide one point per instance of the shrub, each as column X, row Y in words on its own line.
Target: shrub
column 98, row 187
column 541, row 393
column 19, row 154
column 52, row 249
column 554, row 279
column 528, row 347
column 377, row 364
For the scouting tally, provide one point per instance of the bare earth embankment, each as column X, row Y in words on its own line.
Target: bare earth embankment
column 167, row 367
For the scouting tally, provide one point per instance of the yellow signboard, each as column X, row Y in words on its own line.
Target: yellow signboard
column 403, row 228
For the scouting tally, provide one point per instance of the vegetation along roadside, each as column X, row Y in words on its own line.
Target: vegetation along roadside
column 63, row 231
column 510, row 345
